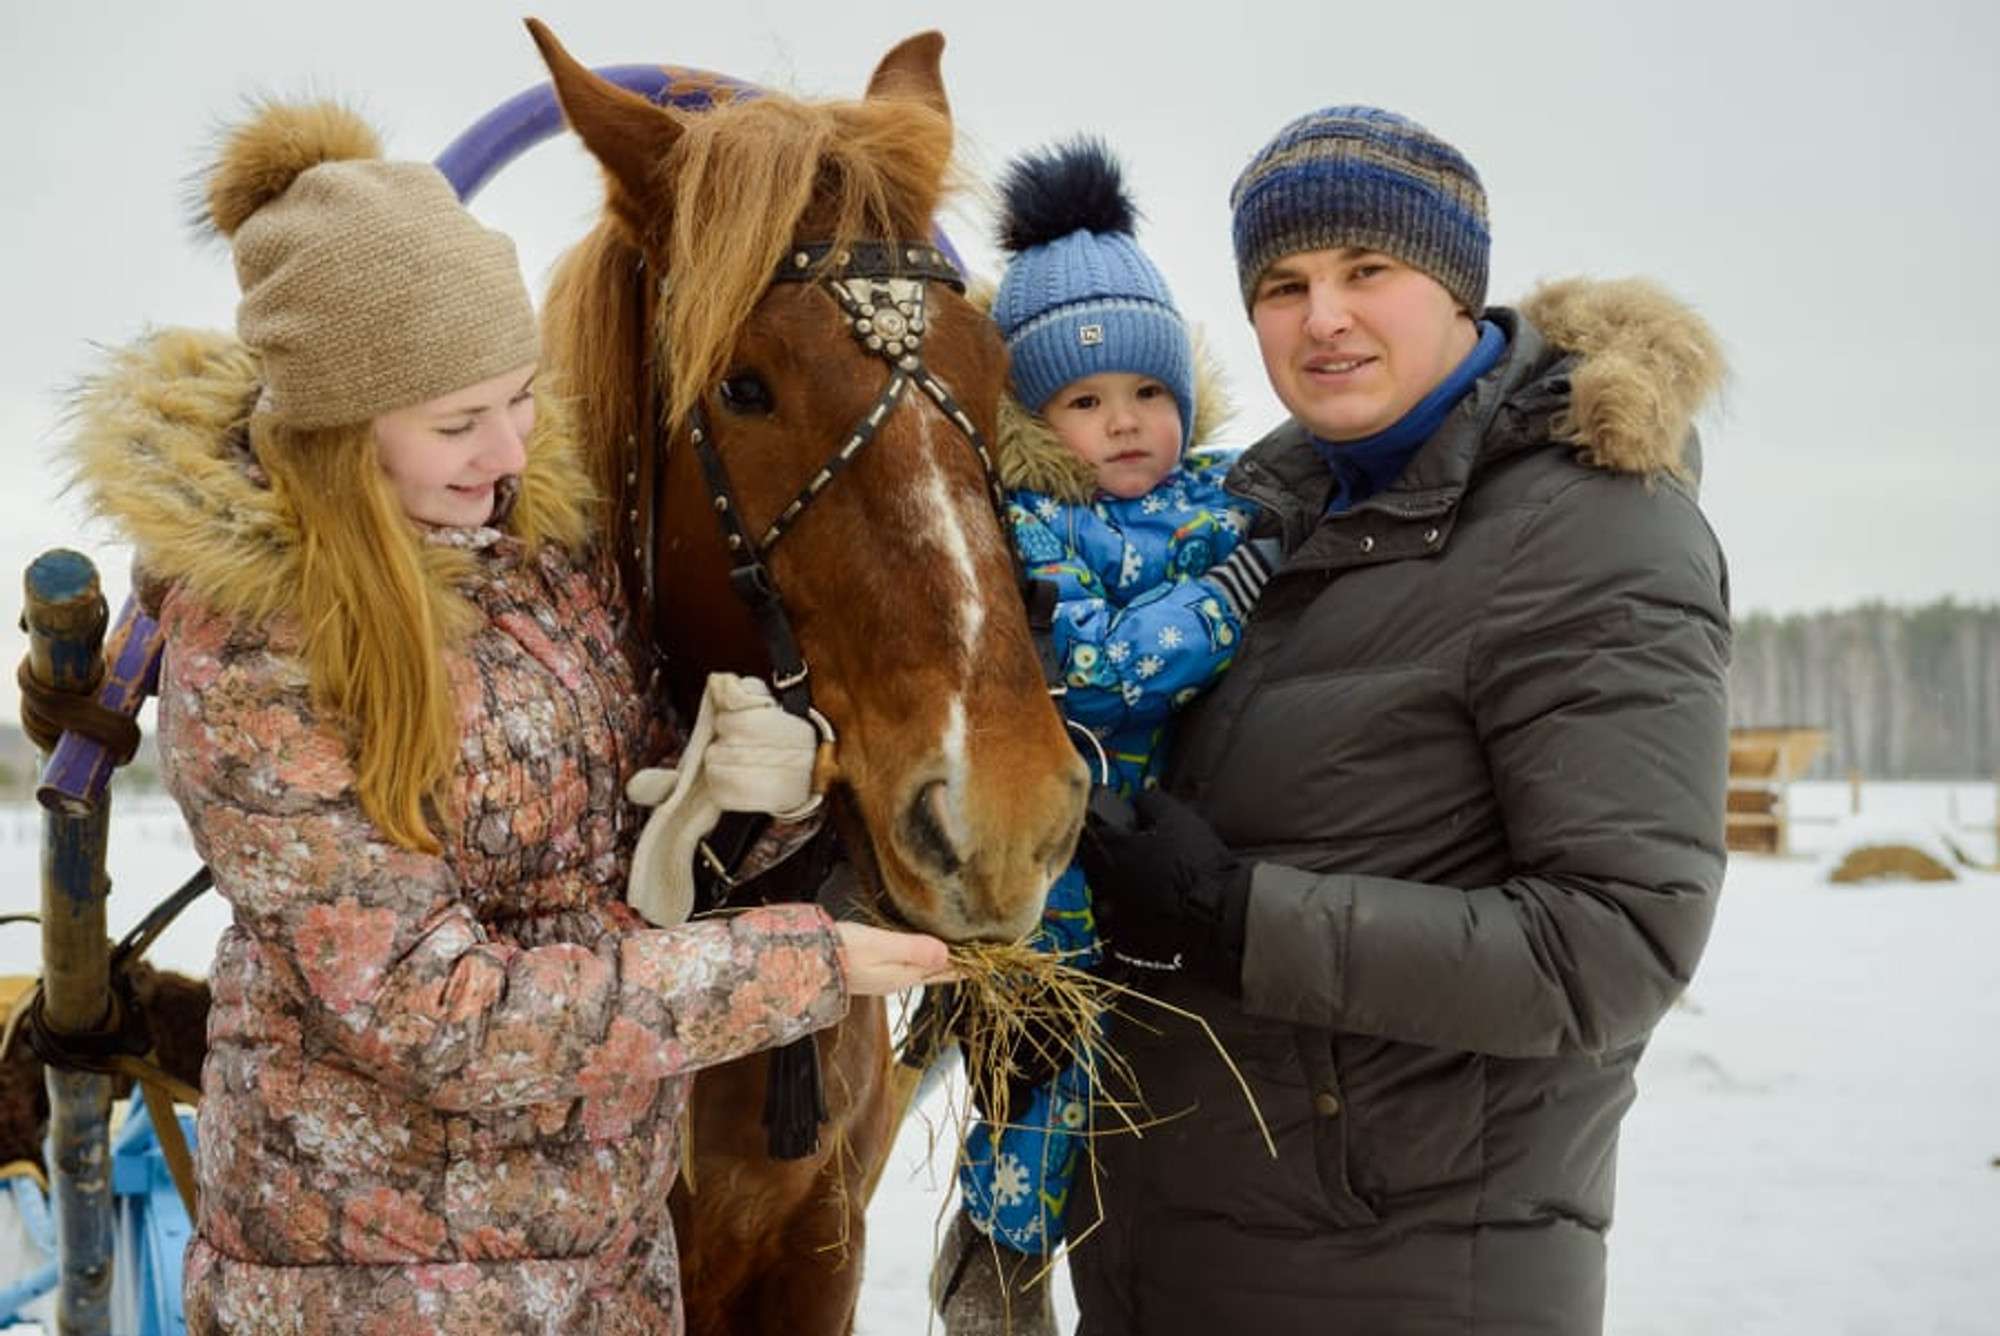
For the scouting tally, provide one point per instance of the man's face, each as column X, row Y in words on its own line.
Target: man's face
column 1352, row 339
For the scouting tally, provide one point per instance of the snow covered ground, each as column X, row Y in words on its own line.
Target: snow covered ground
column 1816, row 1147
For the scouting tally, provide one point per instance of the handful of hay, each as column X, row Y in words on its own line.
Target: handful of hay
column 1019, row 1013
column 1023, row 1014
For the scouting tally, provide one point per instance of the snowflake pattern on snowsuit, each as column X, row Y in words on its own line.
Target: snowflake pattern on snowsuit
column 1138, row 632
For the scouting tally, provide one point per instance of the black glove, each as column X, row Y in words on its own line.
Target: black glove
column 1167, row 892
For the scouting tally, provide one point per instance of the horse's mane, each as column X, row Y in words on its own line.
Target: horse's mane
column 750, row 177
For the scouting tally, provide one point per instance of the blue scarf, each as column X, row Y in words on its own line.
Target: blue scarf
column 1364, row 467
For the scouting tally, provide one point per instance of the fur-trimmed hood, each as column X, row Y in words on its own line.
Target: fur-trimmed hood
column 1648, row 364
column 159, row 445
column 1029, row 456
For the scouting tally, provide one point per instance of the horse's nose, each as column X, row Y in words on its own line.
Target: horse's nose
column 927, row 832
column 986, row 864
column 1061, row 847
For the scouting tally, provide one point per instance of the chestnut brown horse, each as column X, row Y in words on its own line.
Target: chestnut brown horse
column 785, row 398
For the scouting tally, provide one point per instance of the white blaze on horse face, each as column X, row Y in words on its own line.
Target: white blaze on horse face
column 958, row 766
column 937, row 518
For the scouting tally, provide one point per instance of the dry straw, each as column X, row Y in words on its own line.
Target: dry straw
column 1015, row 1007
column 1013, row 1001
column 1016, row 1002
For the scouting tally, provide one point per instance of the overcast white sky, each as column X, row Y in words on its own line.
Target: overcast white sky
column 1820, row 179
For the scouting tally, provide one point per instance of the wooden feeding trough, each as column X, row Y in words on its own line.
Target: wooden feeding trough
column 1762, row 763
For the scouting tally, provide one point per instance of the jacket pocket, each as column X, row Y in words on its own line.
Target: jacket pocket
column 1202, row 1150
column 1330, row 1120
column 1413, row 1123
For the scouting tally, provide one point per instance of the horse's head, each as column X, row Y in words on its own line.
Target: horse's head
column 763, row 285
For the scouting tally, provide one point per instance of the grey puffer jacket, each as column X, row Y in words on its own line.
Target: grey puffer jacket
column 1477, row 740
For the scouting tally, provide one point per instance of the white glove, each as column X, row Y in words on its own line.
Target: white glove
column 747, row 754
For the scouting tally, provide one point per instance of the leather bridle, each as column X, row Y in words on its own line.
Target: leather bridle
column 880, row 288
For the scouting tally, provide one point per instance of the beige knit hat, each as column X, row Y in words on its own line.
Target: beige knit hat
column 366, row 284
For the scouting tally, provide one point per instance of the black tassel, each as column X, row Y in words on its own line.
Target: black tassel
column 794, row 1101
column 930, row 1026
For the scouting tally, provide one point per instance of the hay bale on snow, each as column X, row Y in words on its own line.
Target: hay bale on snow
column 1890, row 862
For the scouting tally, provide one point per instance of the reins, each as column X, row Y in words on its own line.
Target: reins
column 123, row 1045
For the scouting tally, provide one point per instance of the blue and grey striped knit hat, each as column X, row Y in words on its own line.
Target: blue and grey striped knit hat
column 1079, row 297
column 1368, row 178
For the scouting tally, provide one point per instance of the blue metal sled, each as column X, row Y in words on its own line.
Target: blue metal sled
column 151, row 1228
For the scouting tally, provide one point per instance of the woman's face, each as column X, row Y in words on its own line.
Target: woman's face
column 444, row 456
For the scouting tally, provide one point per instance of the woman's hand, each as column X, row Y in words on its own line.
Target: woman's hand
column 880, row 962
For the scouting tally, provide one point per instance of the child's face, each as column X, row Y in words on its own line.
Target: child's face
column 1127, row 427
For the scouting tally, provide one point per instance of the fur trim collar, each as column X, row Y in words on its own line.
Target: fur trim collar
column 159, row 445
column 1646, row 365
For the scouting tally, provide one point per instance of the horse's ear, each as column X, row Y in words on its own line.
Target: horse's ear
column 624, row 131
column 911, row 70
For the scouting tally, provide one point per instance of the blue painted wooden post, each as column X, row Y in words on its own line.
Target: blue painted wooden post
column 65, row 620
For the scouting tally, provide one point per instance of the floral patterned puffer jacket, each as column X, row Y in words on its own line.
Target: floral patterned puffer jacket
column 443, row 1092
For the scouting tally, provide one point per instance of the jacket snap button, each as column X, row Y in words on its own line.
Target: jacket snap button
column 1326, row 1104
column 1367, row 544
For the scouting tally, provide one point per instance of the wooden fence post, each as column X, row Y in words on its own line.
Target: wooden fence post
column 65, row 618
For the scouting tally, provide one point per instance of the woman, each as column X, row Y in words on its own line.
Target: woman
column 399, row 711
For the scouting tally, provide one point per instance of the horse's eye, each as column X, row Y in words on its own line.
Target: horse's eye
column 745, row 392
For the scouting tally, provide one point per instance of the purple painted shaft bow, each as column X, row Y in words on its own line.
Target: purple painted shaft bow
column 79, row 767
column 533, row 115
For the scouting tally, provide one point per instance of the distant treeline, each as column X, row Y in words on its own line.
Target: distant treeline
column 1904, row 693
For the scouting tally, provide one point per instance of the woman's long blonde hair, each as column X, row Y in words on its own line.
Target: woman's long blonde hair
column 378, row 609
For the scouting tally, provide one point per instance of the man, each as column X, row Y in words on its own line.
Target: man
column 1438, row 852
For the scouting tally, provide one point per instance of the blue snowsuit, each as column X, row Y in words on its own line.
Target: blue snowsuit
column 1138, row 632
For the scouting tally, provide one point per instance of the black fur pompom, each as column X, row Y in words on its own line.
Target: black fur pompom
column 1074, row 186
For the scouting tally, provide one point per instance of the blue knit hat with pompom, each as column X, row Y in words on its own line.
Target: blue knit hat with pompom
column 1079, row 297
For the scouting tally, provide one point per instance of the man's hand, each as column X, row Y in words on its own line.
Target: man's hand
column 1167, row 891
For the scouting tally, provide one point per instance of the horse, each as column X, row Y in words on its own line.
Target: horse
column 784, row 397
